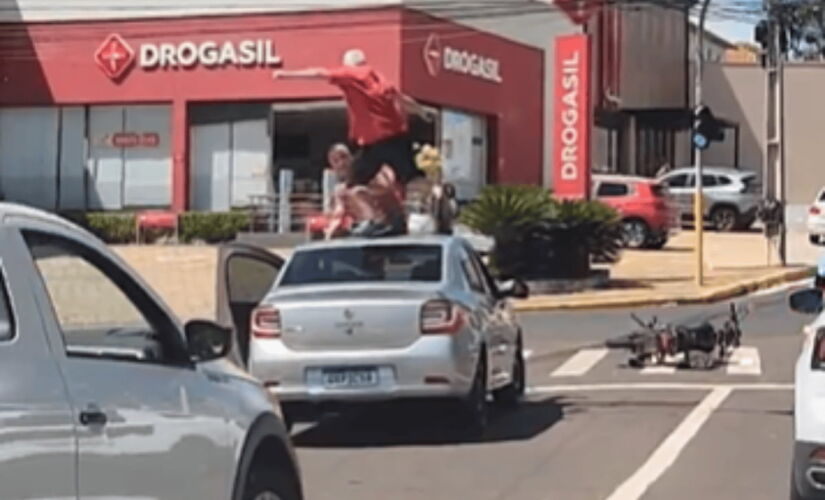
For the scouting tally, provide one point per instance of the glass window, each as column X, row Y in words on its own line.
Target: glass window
column 364, row 264
column 680, row 180
column 6, row 317
column 723, row 181
column 474, row 279
column 249, row 279
column 607, row 189
column 708, row 180
column 96, row 315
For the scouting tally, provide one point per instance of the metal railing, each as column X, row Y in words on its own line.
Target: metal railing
column 276, row 214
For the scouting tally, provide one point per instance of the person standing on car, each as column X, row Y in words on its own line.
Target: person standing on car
column 379, row 200
column 378, row 124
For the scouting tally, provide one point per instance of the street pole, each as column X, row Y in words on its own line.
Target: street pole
column 774, row 170
column 698, row 209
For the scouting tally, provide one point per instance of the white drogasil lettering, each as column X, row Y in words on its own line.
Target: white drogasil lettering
column 247, row 53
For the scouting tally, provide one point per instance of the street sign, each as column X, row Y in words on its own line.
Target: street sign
column 572, row 117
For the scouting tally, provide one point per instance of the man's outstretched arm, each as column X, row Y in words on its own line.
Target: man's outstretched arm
column 414, row 107
column 308, row 73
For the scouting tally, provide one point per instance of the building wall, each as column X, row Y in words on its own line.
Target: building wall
column 653, row 66
column 738, row 92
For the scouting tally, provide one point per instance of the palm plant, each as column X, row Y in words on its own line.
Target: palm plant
column 537, row 236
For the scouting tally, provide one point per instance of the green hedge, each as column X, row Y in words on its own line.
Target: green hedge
column 110, row 227
column 212, row 227
column 119, row 227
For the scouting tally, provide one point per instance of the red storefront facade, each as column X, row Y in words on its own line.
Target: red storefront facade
column 180, row 64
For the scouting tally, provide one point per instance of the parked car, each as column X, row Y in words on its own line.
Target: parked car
column 731, row 195
column 357, row 320
column 808, row 470
column 649, row 215
column 816, row 219
column 106, row 395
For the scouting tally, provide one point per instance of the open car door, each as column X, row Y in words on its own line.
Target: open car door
column 245, row 275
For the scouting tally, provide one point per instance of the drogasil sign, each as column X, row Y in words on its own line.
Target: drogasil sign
column 438, row 57
column 116, row 57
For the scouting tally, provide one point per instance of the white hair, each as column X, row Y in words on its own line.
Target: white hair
column 354, row 57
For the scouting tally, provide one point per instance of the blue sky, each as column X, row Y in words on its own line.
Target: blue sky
column 732, row 30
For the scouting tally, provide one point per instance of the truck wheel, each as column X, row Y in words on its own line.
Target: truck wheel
column 724, row 218
column 475, row 404
column 510, row 395
column 814, row 239
column 635, row 233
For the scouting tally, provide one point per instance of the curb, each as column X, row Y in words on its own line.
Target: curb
column 714, row 295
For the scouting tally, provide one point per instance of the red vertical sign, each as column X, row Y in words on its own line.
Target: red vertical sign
column 572, row 117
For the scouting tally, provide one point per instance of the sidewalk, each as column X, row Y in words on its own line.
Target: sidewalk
column 735, row 264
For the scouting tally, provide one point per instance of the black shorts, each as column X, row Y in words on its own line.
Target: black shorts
column 396, row 152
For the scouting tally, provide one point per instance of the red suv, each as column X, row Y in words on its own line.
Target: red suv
column 649, row 215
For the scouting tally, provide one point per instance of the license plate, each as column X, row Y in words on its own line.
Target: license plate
column 350, row 377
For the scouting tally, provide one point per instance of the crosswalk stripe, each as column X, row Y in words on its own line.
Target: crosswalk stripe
column 580, row 363
column 745, row 360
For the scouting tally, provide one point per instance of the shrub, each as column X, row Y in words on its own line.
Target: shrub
column 111, row 227
column 212, row 227
column 538, row 237
column 502, row 211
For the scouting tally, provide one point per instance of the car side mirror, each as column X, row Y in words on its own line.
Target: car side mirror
column 206, row 340
column 513, row 288
column 808, row 301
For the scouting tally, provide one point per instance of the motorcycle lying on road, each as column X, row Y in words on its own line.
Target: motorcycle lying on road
column 703, row 345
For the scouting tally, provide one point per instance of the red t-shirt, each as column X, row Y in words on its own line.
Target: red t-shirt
column 372, row 106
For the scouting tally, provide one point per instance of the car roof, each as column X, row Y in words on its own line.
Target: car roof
column 10, row 209
column 622, row 178
column 715, row 170
column 440, row 240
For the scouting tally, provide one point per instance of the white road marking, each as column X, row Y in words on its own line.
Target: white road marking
column 654, row 386
column 580, row 363
column 745, row 360
column 658, row 370
column 667, row 452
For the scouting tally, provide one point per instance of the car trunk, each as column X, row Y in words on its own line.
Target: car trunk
column 351, row 317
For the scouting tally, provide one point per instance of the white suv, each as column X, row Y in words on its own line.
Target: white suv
column 732, row 195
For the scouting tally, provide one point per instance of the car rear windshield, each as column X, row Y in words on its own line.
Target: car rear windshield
column 364, row 264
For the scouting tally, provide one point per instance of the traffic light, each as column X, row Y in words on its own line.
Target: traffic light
column 706, row 128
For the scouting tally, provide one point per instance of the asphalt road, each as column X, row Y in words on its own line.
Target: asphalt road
column 591, row 429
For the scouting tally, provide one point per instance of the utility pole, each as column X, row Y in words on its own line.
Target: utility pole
column 698, row 209
column 774, row 170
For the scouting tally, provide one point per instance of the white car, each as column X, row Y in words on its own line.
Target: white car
column 357, row 320
column 808, row 472
column 816, row 219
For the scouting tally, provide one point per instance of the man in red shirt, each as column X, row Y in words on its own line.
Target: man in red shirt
column 377, row 114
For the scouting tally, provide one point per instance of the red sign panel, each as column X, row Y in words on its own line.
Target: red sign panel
column 573, row 117
column 114, row 57
column 134, row 140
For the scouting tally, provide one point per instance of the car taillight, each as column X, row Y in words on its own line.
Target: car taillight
column 442, row 316
column 266, row 322
column 814, row 211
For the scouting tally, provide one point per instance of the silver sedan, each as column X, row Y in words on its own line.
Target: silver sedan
column 353, row 321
